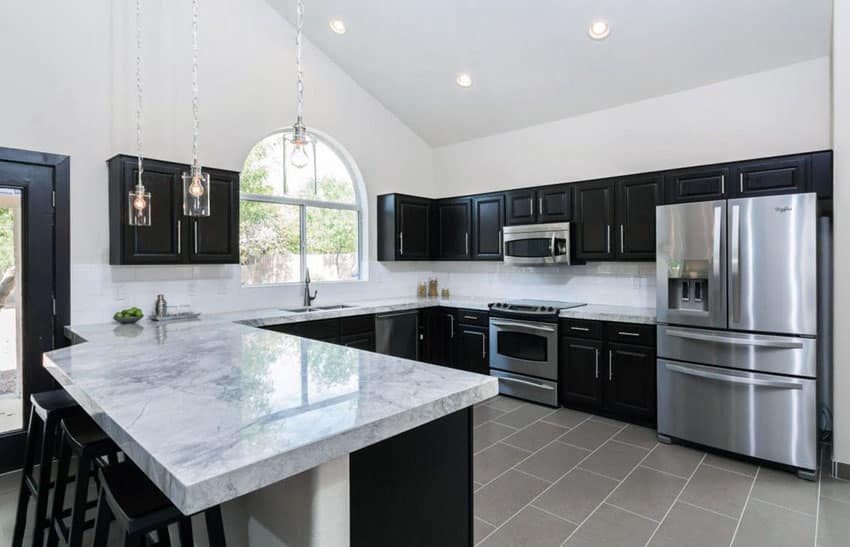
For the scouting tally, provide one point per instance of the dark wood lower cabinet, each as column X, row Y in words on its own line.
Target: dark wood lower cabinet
column 579, row 375
column 630, row 386
column 473, row 349
column 364, row 341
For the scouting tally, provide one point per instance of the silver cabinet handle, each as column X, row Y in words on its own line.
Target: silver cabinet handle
column 521, row 325
column 622, row 239
column 196, row 236
column 722, row 184
column 401, row 243
column 467, row 243
column 483, row 343
column 540, row 204
column 715, row 257
column 552, row 246
column 582, row 329
column 596, row 353
column 741, row 182
column 500, row 241
column 733, row 379
column 610, row 366
column 608, row 239
column 624, row 333
column 470, row 317
column 532, row 205
column 525, row 382
column 179, row 237
column 782, row 343
column 735, row 262
column 452, row 317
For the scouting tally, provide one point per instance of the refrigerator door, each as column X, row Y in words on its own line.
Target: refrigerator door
column 773, row 264
column 691, row 264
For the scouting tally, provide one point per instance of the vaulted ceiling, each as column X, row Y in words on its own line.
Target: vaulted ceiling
column 532, row 61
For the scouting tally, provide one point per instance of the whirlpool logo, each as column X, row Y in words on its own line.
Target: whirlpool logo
column 782, row 209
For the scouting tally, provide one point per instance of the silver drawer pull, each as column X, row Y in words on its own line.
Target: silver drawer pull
column 781, row 343
column 733, row 379
column 470, row 317
column 582, row 329
column 525, row 382
column 624, row 333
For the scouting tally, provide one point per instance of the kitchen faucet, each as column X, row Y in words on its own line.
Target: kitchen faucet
column 308, row 300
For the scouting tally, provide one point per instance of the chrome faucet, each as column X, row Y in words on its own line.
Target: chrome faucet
column 308, row 300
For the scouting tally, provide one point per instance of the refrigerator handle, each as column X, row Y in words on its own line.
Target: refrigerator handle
column 715, row 259
column 735, row 262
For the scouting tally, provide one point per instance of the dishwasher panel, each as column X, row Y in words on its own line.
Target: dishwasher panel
column 397, row 334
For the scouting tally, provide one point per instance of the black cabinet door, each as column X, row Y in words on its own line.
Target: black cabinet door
column 630, row 387
column 454, row 228
column 430, row 335
column 326, row 330
column 635, row 213
column 488, row 218
column 579, row 374
column 554, row 203
column 215, row 239
column 696, row 184
column 772, row 176
column 594, row 220
column 472, row 349
column 448, row 332
column 365, row 341
column 413, row 228
column 520, row 207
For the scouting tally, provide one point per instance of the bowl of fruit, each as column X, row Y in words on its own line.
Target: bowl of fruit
column 128, row 316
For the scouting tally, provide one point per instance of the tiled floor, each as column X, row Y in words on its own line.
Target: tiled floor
column 546, row 477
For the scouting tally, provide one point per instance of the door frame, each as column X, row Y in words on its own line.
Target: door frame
column 12, row 457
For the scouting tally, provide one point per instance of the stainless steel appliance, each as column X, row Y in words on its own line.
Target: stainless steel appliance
column 537, row 244
column 524, row 348
column 737, row 307
column 397, row 334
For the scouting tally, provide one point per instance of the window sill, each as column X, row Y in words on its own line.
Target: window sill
column 301, row 283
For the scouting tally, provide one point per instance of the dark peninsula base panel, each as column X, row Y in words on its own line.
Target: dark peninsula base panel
column 415, row 489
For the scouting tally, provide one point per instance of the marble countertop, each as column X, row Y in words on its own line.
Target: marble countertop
column 601, row 312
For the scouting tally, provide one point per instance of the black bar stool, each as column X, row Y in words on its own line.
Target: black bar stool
column 79, row 437
column 140, row 508
column 49, row 408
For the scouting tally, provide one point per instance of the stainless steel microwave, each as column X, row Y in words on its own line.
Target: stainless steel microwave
column 537, row 244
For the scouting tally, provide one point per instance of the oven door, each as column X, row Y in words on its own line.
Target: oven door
column 524, row 347
column 537, row 245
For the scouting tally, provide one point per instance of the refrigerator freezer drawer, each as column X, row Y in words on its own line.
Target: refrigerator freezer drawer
column 757, row 352
column 526, row 387
column 759, row 415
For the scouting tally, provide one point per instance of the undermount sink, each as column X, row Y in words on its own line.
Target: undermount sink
column 307, row 309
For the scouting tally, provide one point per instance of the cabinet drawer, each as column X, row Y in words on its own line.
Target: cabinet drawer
column 581, row 328
column 473, row 317
column 358, row 324
column 631, row 333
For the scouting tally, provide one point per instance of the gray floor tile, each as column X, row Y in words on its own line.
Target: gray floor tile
column 647, row 492
column 531, row 528
column 718, row 490
column 494, row 461
column 609, row 421
column 523, row 416
column 496, row 502
column 675, row 459
column 505, row 404
column 567, row 417
column 590, row 435
column 614, row 459
column 834, row 523
column 484, row 413
column 786, row 489
column 730, row 464
column 489, row 433
column 610, row 526
column 689, row 526
column 639, row 436
column 576, row 495
column 766, row 524
column 834, row 488
column 535, row 436
column 480, row 529
column 553, row 461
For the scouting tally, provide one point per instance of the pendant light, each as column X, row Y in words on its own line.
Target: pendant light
column 300, row 144
column 139, row 199
column 196, row 184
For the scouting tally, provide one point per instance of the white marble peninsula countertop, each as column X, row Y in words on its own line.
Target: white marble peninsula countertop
column 215, row 409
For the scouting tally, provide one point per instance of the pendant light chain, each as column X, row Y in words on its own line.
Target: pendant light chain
column 299, row 70
column 195, row 109
column 139, row 88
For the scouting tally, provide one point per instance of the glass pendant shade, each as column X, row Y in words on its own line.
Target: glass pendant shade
column 301, row 147
column 196, row 193
column 139, row 207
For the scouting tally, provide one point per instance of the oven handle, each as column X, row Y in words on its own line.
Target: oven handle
column 781, row 343
column 525, row 382
column 512, row 324
column 733, row 379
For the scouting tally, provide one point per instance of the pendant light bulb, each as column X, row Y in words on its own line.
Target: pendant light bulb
column 299, row 158
column 196, row 188
column 139, row 202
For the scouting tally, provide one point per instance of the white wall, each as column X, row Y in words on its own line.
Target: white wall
column 841, row 230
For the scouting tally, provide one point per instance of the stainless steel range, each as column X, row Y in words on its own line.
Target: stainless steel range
column 524, row 348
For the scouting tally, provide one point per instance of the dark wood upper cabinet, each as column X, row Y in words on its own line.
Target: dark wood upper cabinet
column 697, row 184
column 488, row 218
column 594, row 220
column 554, row 203
column 631, row 381
column 786, row 175
column 520, row 207
column 215, row 239
column 454, row 229
column 404, row 227
column 580, row 372
column 635, row 217
column 822, row 174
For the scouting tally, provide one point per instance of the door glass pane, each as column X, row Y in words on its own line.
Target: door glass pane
column 334, row 180
column 11, row 407
column 332, row 242
column 269, row 242
column 521, row 345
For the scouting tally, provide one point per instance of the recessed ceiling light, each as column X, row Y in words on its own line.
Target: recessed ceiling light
column 337, row 26
column 463, row 79
column 599, row 29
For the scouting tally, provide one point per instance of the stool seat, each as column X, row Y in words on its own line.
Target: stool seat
column 82, row 431
column 54, row 401
column 133, row 491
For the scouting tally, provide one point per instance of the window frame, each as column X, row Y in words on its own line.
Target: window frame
column 359, row 207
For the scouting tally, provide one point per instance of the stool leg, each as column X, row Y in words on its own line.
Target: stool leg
column 163, row 537
column 24, row 493
column 78, row 510
column 101, row 523
column 215, row 527
column 187, row 539
column 45, row 463
column 59, row 490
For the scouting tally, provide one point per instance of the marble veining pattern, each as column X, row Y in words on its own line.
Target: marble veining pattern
column 601, row 312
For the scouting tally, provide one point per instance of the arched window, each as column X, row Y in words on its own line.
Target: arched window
column 293, row 219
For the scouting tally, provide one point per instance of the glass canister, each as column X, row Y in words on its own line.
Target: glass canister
column 432, row 288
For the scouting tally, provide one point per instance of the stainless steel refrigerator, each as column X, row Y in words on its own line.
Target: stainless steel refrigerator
column 737, row 313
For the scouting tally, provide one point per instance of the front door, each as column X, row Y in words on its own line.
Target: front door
column 33, row 284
